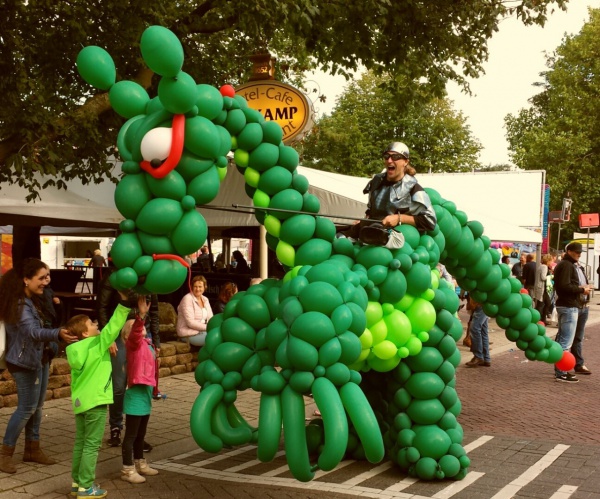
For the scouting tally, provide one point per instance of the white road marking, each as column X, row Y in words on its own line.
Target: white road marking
column 564, row 492
column 531, row 473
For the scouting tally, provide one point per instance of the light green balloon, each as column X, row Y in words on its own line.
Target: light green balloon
column 422, row 315
column 96, row 66
column 399, row 327
column 374, row 313
column 286, row 253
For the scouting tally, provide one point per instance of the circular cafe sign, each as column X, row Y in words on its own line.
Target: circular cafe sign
column 282, row 103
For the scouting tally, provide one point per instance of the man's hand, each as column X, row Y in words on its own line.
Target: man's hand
column 391, row 220
column 113, row 349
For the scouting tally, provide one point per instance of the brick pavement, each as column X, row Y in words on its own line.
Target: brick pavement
column 516, row 401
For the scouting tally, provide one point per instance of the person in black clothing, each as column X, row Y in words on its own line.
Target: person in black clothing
column 241, row 266
column 572, row 306
column 528, row 275
column 517, row 268
column 106, row 302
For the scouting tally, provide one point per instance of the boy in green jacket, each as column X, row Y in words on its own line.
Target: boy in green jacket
column 91, row 392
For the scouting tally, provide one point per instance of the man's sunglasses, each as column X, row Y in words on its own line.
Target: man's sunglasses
column 395, row 157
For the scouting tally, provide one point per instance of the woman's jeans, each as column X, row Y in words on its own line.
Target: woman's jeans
column 480, row 344
column 31, row 393
column 571, row 329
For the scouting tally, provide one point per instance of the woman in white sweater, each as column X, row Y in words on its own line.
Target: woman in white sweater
column 193, row 313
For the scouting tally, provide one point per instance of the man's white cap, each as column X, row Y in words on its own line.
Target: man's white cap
column 400, row 148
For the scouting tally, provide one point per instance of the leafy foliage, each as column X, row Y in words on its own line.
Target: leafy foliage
column 52, row 123
column 560, row 132
column 370, row 115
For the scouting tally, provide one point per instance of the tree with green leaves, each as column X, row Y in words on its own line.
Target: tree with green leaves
column 560, row 131
column 54, row 124
column 369, row 115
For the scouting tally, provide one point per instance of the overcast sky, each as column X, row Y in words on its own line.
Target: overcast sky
column 517, row 57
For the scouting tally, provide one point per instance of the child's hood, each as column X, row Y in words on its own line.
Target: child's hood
column 78, row 352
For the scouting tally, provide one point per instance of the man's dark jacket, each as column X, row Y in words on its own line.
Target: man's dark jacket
column 566, row 284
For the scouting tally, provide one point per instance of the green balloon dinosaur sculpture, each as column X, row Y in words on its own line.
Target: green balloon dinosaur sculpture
column 370, row 332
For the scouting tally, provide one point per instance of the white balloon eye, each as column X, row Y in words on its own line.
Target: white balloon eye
column 156, row 144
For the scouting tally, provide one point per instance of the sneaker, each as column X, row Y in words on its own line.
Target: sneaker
column 115, row 437
column 93, row 491
column 147, row 447
column 74, row 489
column 375, row 234
column 567, row 378
column 582, row 370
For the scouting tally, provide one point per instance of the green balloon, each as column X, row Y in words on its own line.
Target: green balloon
column 143, row 265
column 418, row 279
column 126, row 250
column 159, row 216
column 202, row 137
column 210, row 101
column 274, row 180
column 128, row 98
column 131, row 195
column 250, row 137
column 190, row 234
column 301, row 354
column 152, row 244
column 230, row 356
column 310, row 203
column 162, row 51
column 288, row 157
column 96, row 66
column 272, row 132
column 393, row 287
column 235, row 121
column 263, row 157
column 330, row 352
column 313, row 252
column 425, row 412
column 431, row 441
column 325, row 229
column 254, row 310
column 205, row 187
column 171, row 186
column 166, row 276
column 297, row 229
column 237, row 330
column 429, row 360
column 315, row 328
column 126, row 278
column 320, row 297
column 425, row 385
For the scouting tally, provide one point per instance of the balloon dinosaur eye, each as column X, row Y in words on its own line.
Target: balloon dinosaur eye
column 156, row 145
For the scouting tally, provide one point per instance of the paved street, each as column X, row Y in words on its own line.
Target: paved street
column 527, row 436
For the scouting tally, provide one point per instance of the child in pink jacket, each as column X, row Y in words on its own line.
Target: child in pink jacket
column 141, row 379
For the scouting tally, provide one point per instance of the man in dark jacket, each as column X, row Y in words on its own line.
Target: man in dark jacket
column 572, row 306
column 106, row 302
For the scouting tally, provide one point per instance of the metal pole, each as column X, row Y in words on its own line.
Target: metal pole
column 558, row 240
column 297, row 212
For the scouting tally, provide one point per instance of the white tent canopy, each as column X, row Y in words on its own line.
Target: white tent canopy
column 93, row 205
